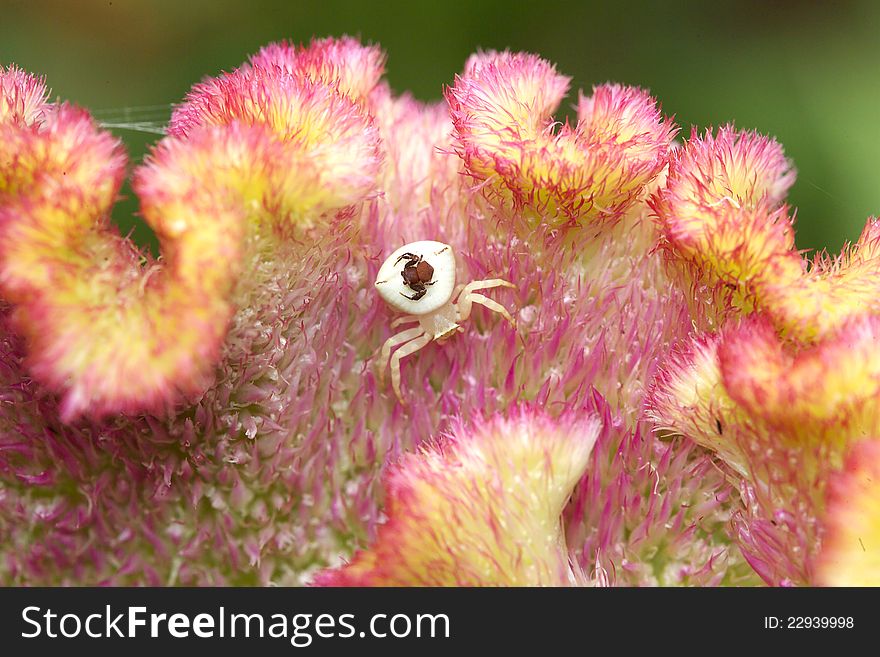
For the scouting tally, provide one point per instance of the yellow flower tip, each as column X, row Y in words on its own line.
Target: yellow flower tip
column 104, row 333
column 867, row 248
column 502, row 112
column 742, row 167
column 724, row 225
column 53, row 183
column 481, row 508
column 817, row 302
column 721, row 207
column 628, row 124
column 237, row 172
column 328, row 155
column 87, row 165
column 525, row 100
column 143, row 358
column 688, row 398
column 735, row 244
column 850, row 553
column 826, row 390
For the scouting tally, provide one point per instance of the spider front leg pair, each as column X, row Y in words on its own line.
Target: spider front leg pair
column 466, row 297
column 440, row 310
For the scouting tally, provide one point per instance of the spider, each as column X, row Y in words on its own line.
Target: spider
column 439, row 310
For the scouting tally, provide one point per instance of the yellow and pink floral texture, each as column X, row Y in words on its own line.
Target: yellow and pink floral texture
column 682, row 399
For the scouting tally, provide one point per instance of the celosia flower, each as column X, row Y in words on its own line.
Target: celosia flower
column 115, row 336
column 782, row 394
column 502, row 109
column 215, row 416
column 722, row 219
column 780, row 467
column 481, row 508
column 729, row 237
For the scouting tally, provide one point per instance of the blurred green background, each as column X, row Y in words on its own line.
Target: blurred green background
column 806, row 73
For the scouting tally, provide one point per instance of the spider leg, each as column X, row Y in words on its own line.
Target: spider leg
column 418, row 295
column 467, row 297
column 408, row 256
column 475, row 297
column 406, row 319
column 390, row 343
column 485, row 285
column 405, row 350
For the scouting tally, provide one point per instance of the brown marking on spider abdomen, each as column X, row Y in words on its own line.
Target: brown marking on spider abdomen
column 424, row 271
column 410, row 276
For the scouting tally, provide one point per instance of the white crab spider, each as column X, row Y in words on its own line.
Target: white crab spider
column 428, row 302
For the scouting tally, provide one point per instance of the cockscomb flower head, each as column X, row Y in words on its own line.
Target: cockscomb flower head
column 829, row 293
column 826, row 392
column 480, row 508
column 777, row 446
column 525, row 162
column 722, row 216
column 689, row 398
column 216, row 415
column 113, row 335
column 729, row 237
column 784, row 365
column 331, row 145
